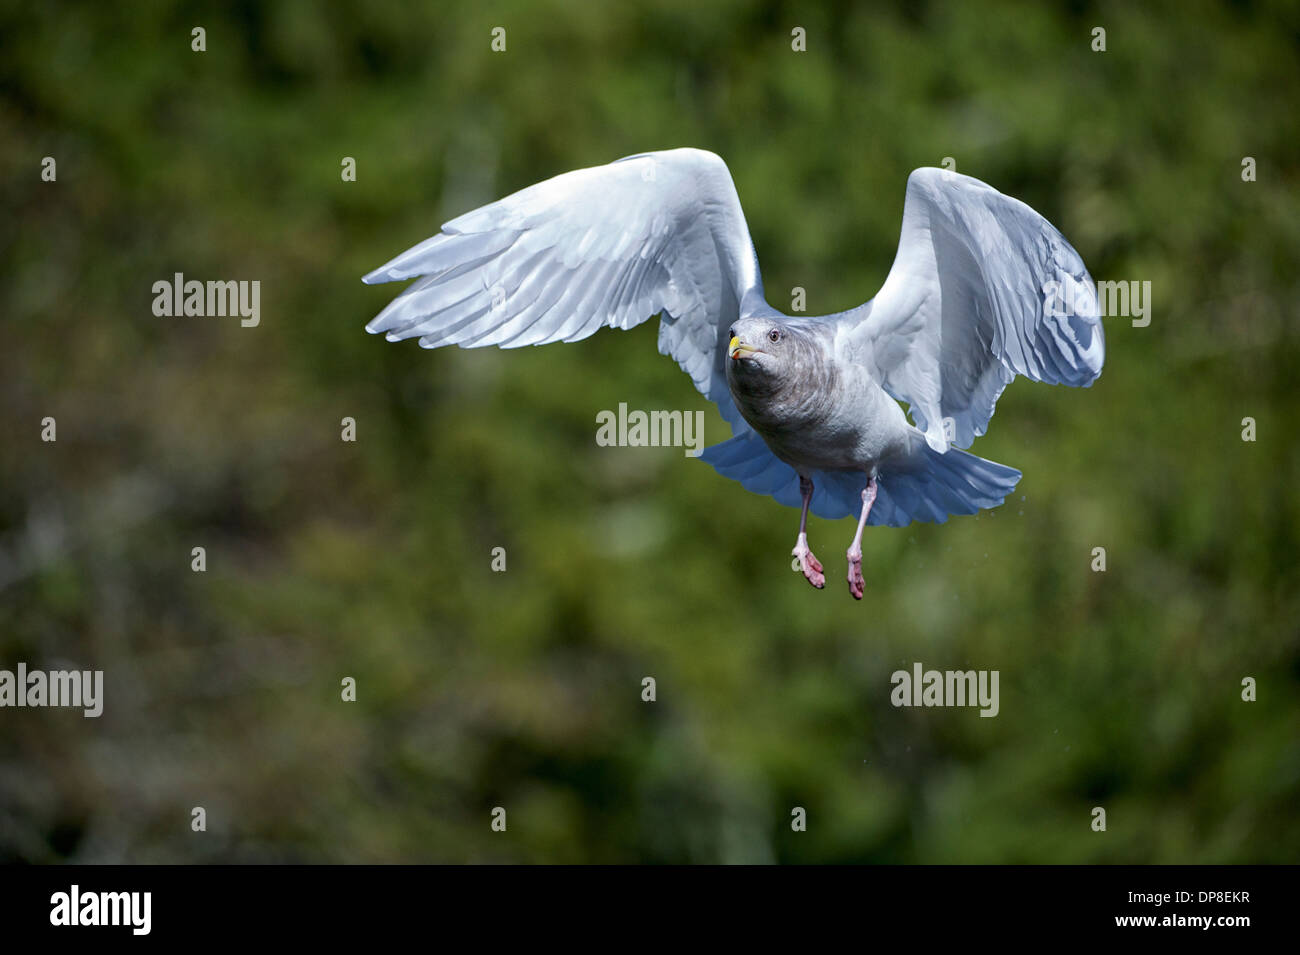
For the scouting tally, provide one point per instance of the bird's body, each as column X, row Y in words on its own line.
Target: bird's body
column 832, row 416
column 974, row 298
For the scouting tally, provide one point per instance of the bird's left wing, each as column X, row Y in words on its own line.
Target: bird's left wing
column 657, row 233
column 982, row 289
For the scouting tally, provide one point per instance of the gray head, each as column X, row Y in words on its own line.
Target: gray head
column 769, row 356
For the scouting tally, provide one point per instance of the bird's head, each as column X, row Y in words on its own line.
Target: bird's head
column 761, row 352
column 755, row 344
column 778, row 366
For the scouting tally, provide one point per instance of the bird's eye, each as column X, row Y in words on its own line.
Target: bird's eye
column 732, row 332
column 774, row 335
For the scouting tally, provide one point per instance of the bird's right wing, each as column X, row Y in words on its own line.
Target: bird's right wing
column 983, row 289
column 657, row 233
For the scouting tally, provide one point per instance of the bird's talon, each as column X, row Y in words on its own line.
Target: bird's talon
column 857, row 585
column 809, row 564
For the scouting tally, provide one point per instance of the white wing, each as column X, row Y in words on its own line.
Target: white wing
column 613, row 245
column 982, row 289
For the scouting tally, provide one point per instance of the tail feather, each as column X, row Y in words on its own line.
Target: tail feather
column 929, row 485
column 926, row 485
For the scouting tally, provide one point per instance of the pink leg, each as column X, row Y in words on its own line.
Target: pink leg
column 810, row 565
column 856, row 584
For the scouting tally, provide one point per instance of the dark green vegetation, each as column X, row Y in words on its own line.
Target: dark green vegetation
column 522, row 689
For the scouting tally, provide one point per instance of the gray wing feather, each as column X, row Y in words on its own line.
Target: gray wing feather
column 982, row 289
column 610, row 246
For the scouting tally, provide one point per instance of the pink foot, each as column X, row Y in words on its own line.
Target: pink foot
column 856, row 584
column 810, row 565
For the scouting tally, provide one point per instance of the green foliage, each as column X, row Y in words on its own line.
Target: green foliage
column 522, row 689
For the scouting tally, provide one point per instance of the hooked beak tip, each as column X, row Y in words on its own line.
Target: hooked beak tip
column 736, row 350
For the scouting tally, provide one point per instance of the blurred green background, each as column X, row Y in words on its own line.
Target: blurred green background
column 522, row 689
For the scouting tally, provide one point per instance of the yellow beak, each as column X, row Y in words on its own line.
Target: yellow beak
column 735, row 349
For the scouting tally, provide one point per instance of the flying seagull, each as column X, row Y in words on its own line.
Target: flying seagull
column 982, row 289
